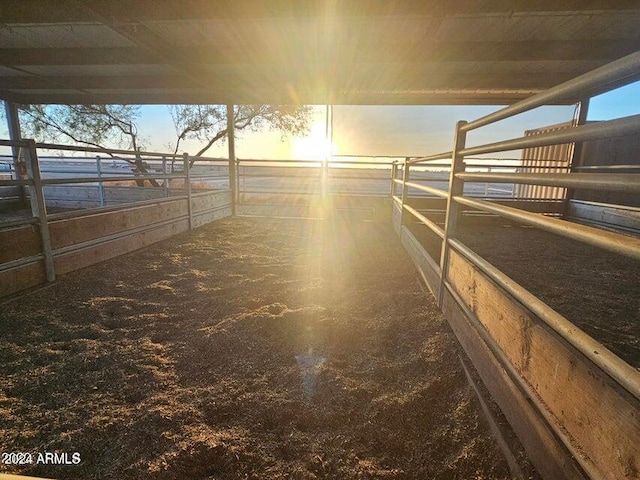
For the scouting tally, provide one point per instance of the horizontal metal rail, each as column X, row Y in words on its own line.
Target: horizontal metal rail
column 21, row 261
column 434, row 227
column 431, row 158
column 283, row 161
column 46, row 170
column 316, row 175
column 434, row 191
column 519, row 165
column 13, row 143
column 384, row 178
column 595, row 131
column 357, row 193
column 592, row 181
column 122, row 206
column 19, row 222
column 74, row 148
column 358, row 162
column 15, row 183
column 623, row 373
column 606, row 167
column 278, row 192
column 63, row 181
column 416, row 177
column 614, row 242
column 373, row 156
column 625, row 69
column 205, row 176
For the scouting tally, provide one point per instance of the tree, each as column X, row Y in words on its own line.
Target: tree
column 208, row 123
column 92, row 125
column 100, row 125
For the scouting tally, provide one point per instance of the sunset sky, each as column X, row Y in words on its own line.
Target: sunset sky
column 385, row 130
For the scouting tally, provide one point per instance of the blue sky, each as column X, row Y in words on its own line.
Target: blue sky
column 387, row 130
column 622, row 102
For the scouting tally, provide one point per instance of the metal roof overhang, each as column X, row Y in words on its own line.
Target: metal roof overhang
column 305, row 51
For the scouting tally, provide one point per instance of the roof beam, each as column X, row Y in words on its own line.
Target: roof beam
column 55, row 11
column 277, row 98
column 524, row 51
column 262, row 78
column 145, row 39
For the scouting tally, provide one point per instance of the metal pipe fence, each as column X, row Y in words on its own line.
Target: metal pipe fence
column 36, row 173
column 622, row 70
column 459, row 287
column 265, row 177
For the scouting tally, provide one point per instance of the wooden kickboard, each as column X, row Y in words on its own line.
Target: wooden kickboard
column 20, row 278
column 209, row 201
column 543, row 449
column 426, row 265
column 88, row 256
column 76, row 230
column 601, row 420
column 19, row 242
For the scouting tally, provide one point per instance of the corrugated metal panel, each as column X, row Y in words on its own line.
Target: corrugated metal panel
column 310, row 54
column 10, row 72
column 547, row 159
column 51, row 36
column 99, row 70
column 572, row 26
column 232, row 32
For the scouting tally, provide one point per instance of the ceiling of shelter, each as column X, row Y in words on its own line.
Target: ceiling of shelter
column 305, row 51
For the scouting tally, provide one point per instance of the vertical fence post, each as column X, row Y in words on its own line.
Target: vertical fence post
column 405, row 189
column 394, row 173
column 39, row 209
column 187, row 187
column 456, row 188
column 486, row 185
column 324, row 178
column 101, row 199
column 237, row 200
column 576, row 155
column 232, row 158
column 165, row 182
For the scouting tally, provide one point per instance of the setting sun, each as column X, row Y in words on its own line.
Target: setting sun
column 315, row 145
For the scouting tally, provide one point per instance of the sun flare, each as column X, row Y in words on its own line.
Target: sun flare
column 315, row 145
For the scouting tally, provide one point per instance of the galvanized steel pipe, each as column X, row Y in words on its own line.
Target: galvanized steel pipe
column 593, row 131
column 623, row 373
column 625, row 68
column 614, row 242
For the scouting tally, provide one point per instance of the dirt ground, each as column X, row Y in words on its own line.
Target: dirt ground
column 247, row 349
column 597, row 290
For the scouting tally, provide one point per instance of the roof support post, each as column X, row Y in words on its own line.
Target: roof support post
column 328, row 134
column 15, row 135
column 232, row 159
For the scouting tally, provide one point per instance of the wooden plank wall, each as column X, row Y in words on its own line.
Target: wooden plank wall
column 88, row 196
column 580, row 413
column 84, row 240
column 599, row 419
column 9, row 195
